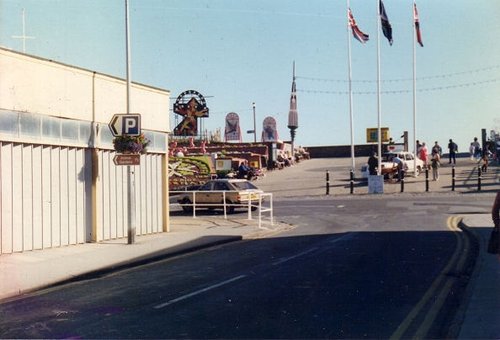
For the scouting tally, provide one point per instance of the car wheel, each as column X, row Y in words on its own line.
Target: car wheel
column 229, row 207
column 187, row 205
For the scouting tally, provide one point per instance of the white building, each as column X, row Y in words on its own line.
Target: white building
column 58, row 183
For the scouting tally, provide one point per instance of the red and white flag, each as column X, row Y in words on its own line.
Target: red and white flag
column 417, row 25
column 356, row 32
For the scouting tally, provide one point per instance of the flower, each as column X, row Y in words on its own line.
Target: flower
column 131, row 144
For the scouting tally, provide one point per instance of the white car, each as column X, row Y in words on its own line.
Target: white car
column 389, row 167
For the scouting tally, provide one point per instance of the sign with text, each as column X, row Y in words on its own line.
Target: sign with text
column 126, row 159
column 372, row 135
column 125, row 124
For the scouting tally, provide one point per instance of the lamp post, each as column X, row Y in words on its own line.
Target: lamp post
column 254, row 126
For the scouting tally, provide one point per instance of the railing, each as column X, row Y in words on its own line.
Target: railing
column 261, row 203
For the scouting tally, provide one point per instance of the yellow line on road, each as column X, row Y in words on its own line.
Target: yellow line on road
column 451, row 223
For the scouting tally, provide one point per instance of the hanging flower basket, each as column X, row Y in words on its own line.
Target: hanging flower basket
column 131, row 144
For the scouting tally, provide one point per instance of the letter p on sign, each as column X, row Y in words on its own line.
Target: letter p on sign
column 125, row 124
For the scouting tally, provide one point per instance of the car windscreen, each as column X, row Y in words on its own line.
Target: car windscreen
column 244, row 185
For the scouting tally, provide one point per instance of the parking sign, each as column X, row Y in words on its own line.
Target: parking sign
column 125, row 124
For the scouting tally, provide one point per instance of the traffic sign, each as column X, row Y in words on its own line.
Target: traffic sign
column 126, row 159
column 125, row 124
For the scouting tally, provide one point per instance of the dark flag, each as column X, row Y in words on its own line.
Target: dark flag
column 384, row 20
column 356, row 32
column 417, row 25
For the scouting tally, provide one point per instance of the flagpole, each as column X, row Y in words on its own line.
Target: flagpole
column 414, row 92
column 349, row 68
column 379, row 104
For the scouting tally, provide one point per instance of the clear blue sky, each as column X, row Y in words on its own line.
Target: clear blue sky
column 237, row 52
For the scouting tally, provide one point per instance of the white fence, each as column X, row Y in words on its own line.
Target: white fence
column 260, row 203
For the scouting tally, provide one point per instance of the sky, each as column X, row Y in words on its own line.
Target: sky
column 239, row 52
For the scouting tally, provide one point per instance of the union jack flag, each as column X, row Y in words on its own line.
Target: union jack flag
column 356, row 32
column 417, row 25
column 384, row 20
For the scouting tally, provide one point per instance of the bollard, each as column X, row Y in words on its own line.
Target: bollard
column 352, row 181
column 402, row 181
column 426, row 179
column 453, row 178
column 479, row 178
column 327, row 182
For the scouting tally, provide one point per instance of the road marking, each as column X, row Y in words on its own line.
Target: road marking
column 403, row 327
column 286, row 259
column 187, row 296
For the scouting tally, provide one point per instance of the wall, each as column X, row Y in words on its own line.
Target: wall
column 59, row 184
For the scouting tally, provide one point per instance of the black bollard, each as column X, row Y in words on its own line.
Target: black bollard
column 327, row 182
column 479, row 178
column 453, row 178
column 426, row 179
column 402, row 180
column 352, row 181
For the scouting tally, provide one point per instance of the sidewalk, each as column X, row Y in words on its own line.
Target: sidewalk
column 25, row 272
column 482, row 310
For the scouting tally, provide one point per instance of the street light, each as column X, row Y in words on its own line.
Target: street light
column 254, row 126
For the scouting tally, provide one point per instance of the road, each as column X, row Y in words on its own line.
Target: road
column 367, row 267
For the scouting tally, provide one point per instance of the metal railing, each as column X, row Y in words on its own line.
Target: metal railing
column 260, row 203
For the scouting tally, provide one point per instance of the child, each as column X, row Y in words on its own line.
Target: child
column 484, row 167
column 435, row 164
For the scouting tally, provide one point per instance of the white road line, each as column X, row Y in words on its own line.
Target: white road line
column 286, row 259
column 187, row 296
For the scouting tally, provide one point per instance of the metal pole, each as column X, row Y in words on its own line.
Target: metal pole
column 414, row 99
column 351, row 109
column 254, row 126
column 379, row 100
column 352, row 181
column 426, row 179
column 130, row 172
column 453, row 178
column 327, row 182
column 479, row 178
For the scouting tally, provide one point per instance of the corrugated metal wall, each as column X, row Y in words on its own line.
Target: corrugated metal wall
column 46, row 196
column 112, row 189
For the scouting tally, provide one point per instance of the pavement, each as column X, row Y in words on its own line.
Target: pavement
column 22, row 273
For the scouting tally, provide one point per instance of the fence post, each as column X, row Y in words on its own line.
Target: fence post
column 402, row 180
column 352, row 181
column 426, row 179
column 453, row 178
column 327, row 182
column 478, row 178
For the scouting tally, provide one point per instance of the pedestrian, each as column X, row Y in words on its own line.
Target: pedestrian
column 472, row 151
column 435, row 165
column 436, row 149
column 477, row 149
column 400, row 166
column 419, row 145
column 494, row 242
column 453, row 149
column 423, row 154
column 373, row 163
column 484, row 160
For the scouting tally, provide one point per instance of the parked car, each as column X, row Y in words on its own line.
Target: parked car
column 237, row 193
column 389, row 167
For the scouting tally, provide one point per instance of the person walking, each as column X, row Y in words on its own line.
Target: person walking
column 453, row 148
column 423, row 154
column 435, row 165
column 477, row 149
column 436, row 149
column 373, row 163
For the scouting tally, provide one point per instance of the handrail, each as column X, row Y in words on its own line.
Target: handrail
column 259, row 203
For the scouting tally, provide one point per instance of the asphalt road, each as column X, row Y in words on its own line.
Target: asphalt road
column 358, row 268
